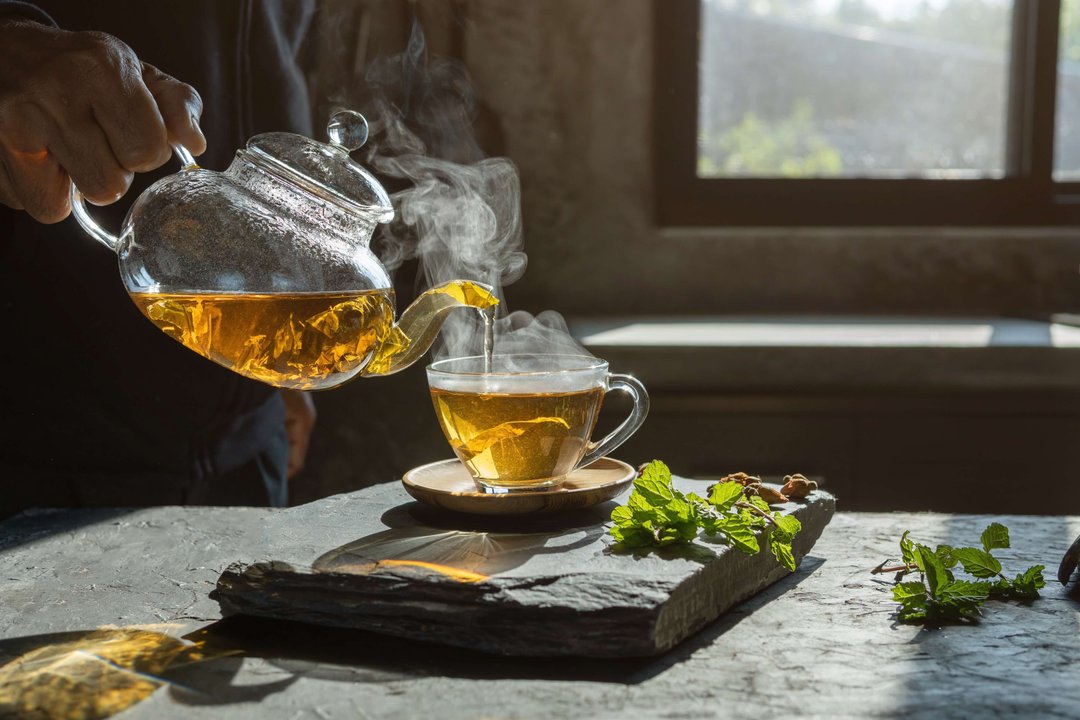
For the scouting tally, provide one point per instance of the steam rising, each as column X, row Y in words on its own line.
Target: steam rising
column 460, row 214
column 520, row 332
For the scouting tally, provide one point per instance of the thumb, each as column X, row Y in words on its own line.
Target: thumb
column 180, row 107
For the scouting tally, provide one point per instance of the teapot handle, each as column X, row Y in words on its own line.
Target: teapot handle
column 90, row 225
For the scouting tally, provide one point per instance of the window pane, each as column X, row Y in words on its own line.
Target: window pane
column 853, row 88
column 1067, row 124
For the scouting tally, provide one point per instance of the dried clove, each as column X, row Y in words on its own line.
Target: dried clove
column 741, row 478
column 766, row 492
column 797, row 486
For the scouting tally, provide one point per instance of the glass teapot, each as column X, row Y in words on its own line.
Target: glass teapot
column 265, row 268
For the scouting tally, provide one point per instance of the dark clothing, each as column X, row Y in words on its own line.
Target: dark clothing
column 101, row 407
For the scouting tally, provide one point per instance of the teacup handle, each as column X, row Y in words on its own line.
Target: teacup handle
column 632, row 387
column 90, row 225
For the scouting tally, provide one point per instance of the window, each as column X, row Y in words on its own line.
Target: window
column 867, row 112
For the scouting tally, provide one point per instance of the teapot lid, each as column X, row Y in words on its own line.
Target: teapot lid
column 326, row 170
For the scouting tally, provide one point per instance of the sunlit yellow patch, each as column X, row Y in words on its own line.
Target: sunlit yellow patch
column 96, row 675
column 466, row 576
column 448, row 571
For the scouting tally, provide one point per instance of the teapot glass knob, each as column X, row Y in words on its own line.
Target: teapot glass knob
column 347, row 130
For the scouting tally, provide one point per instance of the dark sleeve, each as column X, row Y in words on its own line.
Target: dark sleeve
column 25, row 10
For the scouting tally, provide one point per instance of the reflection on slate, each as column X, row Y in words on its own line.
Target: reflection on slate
column 459, row 555
column 543, row 591
column 89, row 675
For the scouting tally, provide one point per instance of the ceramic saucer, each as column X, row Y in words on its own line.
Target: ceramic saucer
column 447, row 484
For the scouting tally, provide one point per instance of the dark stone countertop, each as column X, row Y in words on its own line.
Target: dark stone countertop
column 822, row 642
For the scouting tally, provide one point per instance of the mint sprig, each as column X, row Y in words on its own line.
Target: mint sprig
column 658, row 514
column 940, row 597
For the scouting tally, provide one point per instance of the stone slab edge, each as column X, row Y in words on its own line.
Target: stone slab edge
column 587, row 614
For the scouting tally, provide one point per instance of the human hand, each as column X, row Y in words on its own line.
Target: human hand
column 299, row 421
column 80, row 106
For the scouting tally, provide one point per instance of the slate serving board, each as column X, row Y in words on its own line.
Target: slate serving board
column 544, row 586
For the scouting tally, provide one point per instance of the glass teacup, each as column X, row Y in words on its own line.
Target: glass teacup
column 527, row 423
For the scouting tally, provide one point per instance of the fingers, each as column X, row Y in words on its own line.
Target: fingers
column 300, row 418
column 7, row 189
column 40, row 185
column 83, row 150
column 125, row 108
column 41, row 157
column 37, row 181
column 180, row 107
column 82, row 106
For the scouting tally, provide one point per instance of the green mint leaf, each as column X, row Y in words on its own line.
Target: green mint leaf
column 700, row 511
column 937, row 575
column 916, row 557
column 907, row 548
column 678, row 510
column 654, row 484
column 905, row 591
column 657, row 514
column 963, row 592
column 752, row 519
column 782, row 552
column 787, row 526
column 740, row 535
column 995, row 536
column 665, row 534
column 658, row 471
column 945, row 554
column 622, row 516
column 670, row 534
column 639, row 505
column 912, row 612
column 725, row 495
column 1027, row 584
column 941, row 597
column 695, row 499
column 913, row 601
column 632, row 537
column 711, row 524
column 967, row 611
column 687, row 530
column 1002, row 589
column 760, row 504
column 977, row 562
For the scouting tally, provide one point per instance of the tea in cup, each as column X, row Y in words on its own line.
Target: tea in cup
column 526, row 424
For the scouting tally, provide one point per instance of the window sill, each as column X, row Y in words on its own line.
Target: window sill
column 803, row 355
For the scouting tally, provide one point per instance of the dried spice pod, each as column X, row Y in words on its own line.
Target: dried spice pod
column 741, row 478
column 752, row 486
column 797, row 486
column 768, row 493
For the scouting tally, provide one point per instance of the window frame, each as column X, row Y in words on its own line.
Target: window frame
column 1026, row 195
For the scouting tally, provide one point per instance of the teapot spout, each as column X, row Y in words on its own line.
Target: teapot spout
column 418, row 325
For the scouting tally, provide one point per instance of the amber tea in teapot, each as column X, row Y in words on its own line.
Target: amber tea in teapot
column 304, row 341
